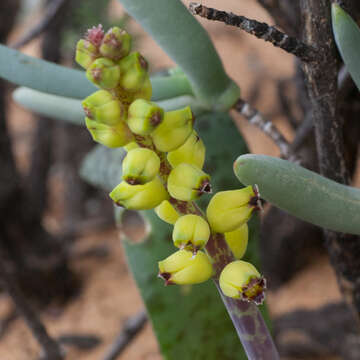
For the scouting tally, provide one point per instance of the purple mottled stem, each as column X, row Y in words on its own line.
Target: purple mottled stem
column 251, row 329
column 246, row 317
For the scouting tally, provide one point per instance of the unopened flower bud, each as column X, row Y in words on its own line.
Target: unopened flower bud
column 104, row 73
column 237, row 241
column 111, row 136
column 187, row 182
column 140, row 166
column 191, row 152
column 95, row 35
column 133, row 71
column 115, row 44
column 228, row 210
column 145, row 92
column 191, row 232
column 144, row 116
column 102, row 107
column 241, row 280
column 130, row 146
column 86, row 53
column 166, row 212
column 139, row 197
column 174, row 130
column 184, row 268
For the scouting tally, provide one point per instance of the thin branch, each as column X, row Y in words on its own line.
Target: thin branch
column 51, row 11
column 51, row 349
column 259, row 29
column 257, row 119
column 285, row 13
column 131, row 328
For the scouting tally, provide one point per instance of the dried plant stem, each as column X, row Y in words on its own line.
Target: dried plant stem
column 257, row 119
column 50, row 348
column 131, row 328
column 51, row 12
column 259, row 29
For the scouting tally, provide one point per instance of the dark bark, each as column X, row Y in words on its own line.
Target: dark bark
column 344, row 250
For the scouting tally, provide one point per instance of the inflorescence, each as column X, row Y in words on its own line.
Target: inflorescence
column 163, row 166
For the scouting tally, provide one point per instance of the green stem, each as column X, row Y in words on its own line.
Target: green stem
column 302, row 193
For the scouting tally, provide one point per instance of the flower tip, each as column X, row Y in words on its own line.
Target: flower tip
column 254, row 291
column 255, row 201
column 166, row 277
column 95, row 35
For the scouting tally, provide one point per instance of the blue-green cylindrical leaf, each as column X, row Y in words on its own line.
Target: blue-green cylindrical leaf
column 47, row 77
column 69, row 109
column 53, row 106
column 302, row 193
column 347, row 36
column 187, row 43
column 42, row 75
column 167, row 87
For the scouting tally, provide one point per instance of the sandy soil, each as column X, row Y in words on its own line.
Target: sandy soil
column 109, row 295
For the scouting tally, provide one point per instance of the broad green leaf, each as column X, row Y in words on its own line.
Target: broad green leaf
column 41, row 75
column 302, row 193
column 52, row 106
column 347, row 36
column 102, row 167
column 189, row 322
column 187, row 43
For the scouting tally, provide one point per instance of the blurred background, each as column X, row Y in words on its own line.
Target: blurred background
column 72, row 264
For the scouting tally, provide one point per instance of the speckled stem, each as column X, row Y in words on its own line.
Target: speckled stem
column 246, row 317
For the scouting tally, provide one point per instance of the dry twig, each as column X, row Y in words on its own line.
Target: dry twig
column 51, row 11
column 131, row 328
column 259, row 29
column 257, row 119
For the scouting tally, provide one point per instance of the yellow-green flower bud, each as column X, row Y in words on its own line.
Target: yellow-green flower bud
column 130, row 146
column 191, row 152
column 166, row 212
column 111, row 136
column 104, row 73
column 191, row 232
column 102, row 107
column 86, row 53
column 115, row 44
column 133, row 71
column 228, row 210
column 184, row 268
column 187, row 182
column 145, row 92
column 139, row 197
column 237, row 241
column 144, row 116
column 174, row 130
column 241, row 280
column 140, row 166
